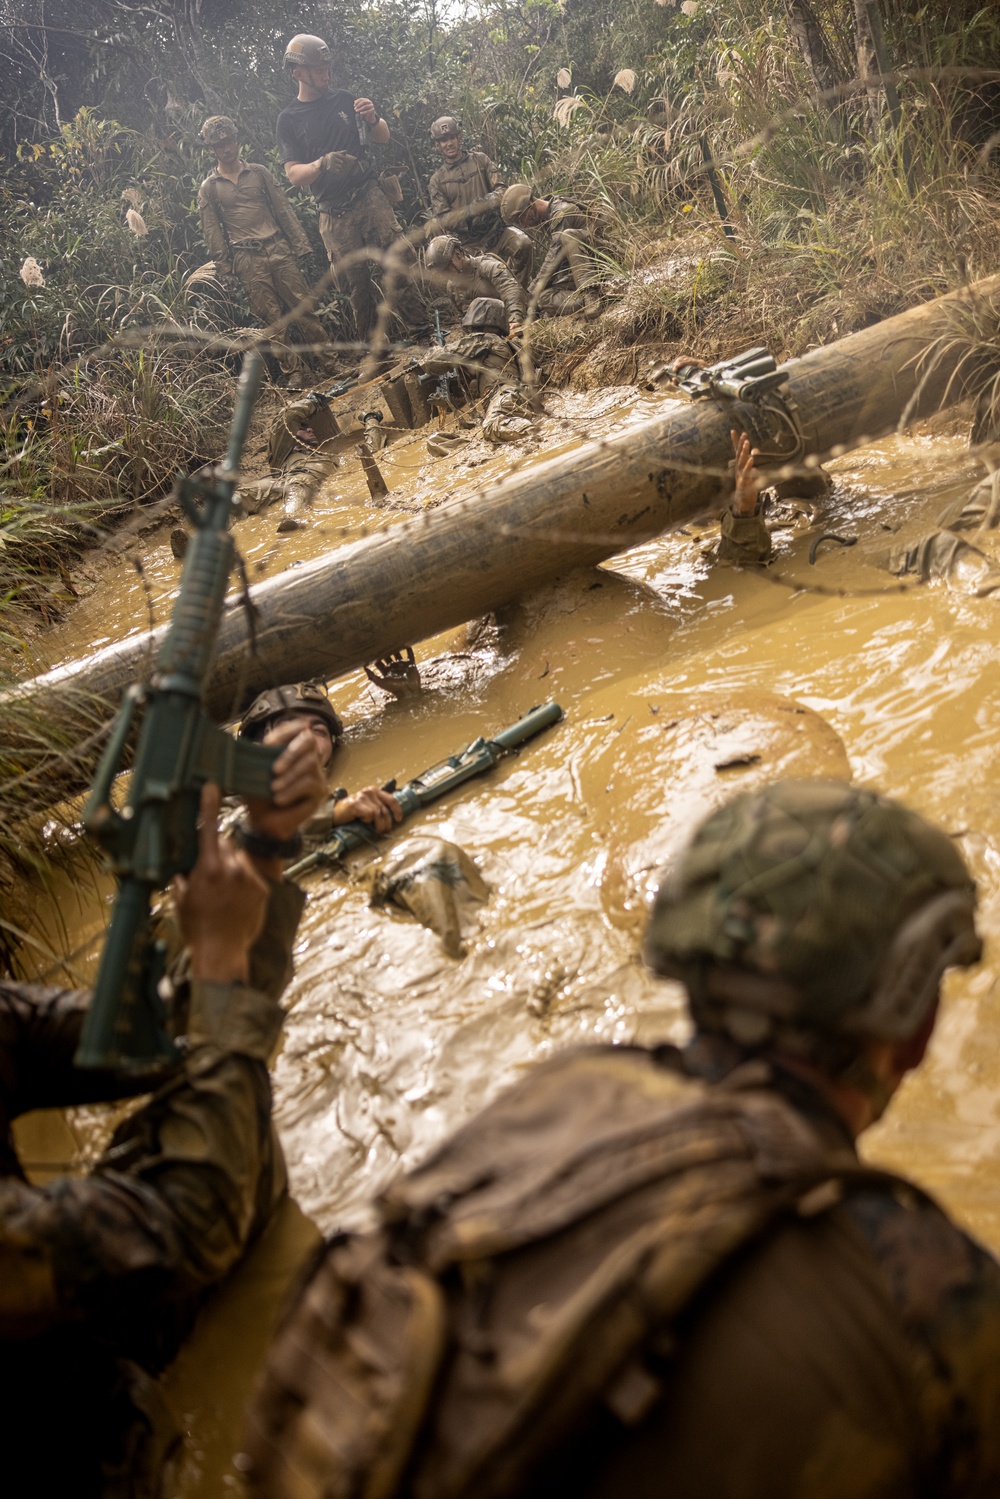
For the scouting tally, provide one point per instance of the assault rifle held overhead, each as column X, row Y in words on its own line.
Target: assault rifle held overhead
column 154, row 834
column 480, row 756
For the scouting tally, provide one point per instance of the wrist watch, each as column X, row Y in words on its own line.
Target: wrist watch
column 261, row 846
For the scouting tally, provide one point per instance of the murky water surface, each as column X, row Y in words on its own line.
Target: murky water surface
column 681, row 682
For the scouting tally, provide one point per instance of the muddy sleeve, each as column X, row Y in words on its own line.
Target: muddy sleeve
column 39, row 1033
column 508, row 289
column 284, row 214
column 172, row 1204
column 439, row 202
column 553, row 260
column 212, row 230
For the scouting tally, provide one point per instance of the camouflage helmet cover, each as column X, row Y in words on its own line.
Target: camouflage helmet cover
column 302, row 697
column 440, row 250
column 486, row 312
column 514, row 201
column 218, row 128
column 817, row 907
column 306, row 51
column 445, row 126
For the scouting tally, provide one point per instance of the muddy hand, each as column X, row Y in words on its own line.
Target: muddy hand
column 396, row 673
column 749, row 480
column 298, row 785
column 373, row 804
column 221, row 903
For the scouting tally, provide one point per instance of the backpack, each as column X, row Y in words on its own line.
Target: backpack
column 517, row 1275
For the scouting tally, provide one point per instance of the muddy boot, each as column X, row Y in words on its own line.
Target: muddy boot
column 179, row 540
column 592, row 306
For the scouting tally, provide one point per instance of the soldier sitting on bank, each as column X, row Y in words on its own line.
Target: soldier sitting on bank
column 102, row 1274
column 642, row 1273
column 471, row 276
column 252, row 232
column 465, row 194
column 567, row 280
column 307, row 706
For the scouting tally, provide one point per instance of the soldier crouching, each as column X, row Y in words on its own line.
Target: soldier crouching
column 666, row 1272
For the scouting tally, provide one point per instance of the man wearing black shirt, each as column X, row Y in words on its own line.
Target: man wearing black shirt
column 324, row 149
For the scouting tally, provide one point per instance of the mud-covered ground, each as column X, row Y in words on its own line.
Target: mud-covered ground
column 681, row 682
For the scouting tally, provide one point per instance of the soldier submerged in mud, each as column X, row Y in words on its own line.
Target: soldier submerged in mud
column 661, row 1271
column 470, row 276
column 307, row 706
column 101, row 1275
column 252, row 232
column 567, row 280
column 322, row 147
column 465, row 194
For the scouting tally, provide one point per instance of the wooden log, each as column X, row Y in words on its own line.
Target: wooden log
column 476, row 554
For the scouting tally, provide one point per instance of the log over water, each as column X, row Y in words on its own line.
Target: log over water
column 477, row 554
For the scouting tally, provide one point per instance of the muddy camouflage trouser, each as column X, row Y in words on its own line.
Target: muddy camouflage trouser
column 274, row 285
column 370, row 225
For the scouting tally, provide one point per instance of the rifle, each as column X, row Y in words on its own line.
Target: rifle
column 746, row 377
column 441, row 396
column 480, row 756
column 155, row 836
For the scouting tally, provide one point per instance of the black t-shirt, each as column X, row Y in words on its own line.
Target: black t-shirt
column 307, row 129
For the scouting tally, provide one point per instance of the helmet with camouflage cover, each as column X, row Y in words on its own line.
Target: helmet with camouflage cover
column 306, row 51
column 514, row 201
column 302, row 697
column 486, row 312
column 816, row 915
column 439, row 252
column 445, row 126
column 218, row 128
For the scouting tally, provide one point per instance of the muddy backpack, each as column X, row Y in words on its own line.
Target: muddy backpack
column 518, row 1275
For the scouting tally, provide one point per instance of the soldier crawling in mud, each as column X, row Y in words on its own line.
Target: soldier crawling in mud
column 307, row 707
column 942, row 553
column 101, row 1275
column 252, row 232
column 470, row 276
column 484, row 360
column 666, row 1271
column 465, row 194
column 567, row 280
column 322, row 146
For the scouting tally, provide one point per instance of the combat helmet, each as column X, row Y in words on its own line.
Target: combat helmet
column 444, row 126
column 305, row 51
column 218, row 128
column 815, row 915
column 514, row 201
column 487, row 313
column 440, row 250
column 302, row 697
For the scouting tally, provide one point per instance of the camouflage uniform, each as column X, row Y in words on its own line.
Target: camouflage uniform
column 646, row 1273
column 487, row 276
column 476, row 183
column 251, row 231
column 101, row 1275
column 568, row 271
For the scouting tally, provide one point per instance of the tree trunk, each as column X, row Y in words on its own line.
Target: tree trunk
column 867, row 66
column 475, row 555
column 811, row 42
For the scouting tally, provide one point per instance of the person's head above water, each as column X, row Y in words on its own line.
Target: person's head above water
column 307, row 701
column 814, row 920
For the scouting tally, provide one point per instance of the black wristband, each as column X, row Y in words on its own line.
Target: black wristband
column 260, row 846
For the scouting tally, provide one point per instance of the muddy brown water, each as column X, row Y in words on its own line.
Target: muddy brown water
column 681, row 683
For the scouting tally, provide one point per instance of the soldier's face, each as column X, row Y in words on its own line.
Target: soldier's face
column 317, row 79
column 450, row 147
column 531, row 217
column 314, row 724
column 226, row 150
